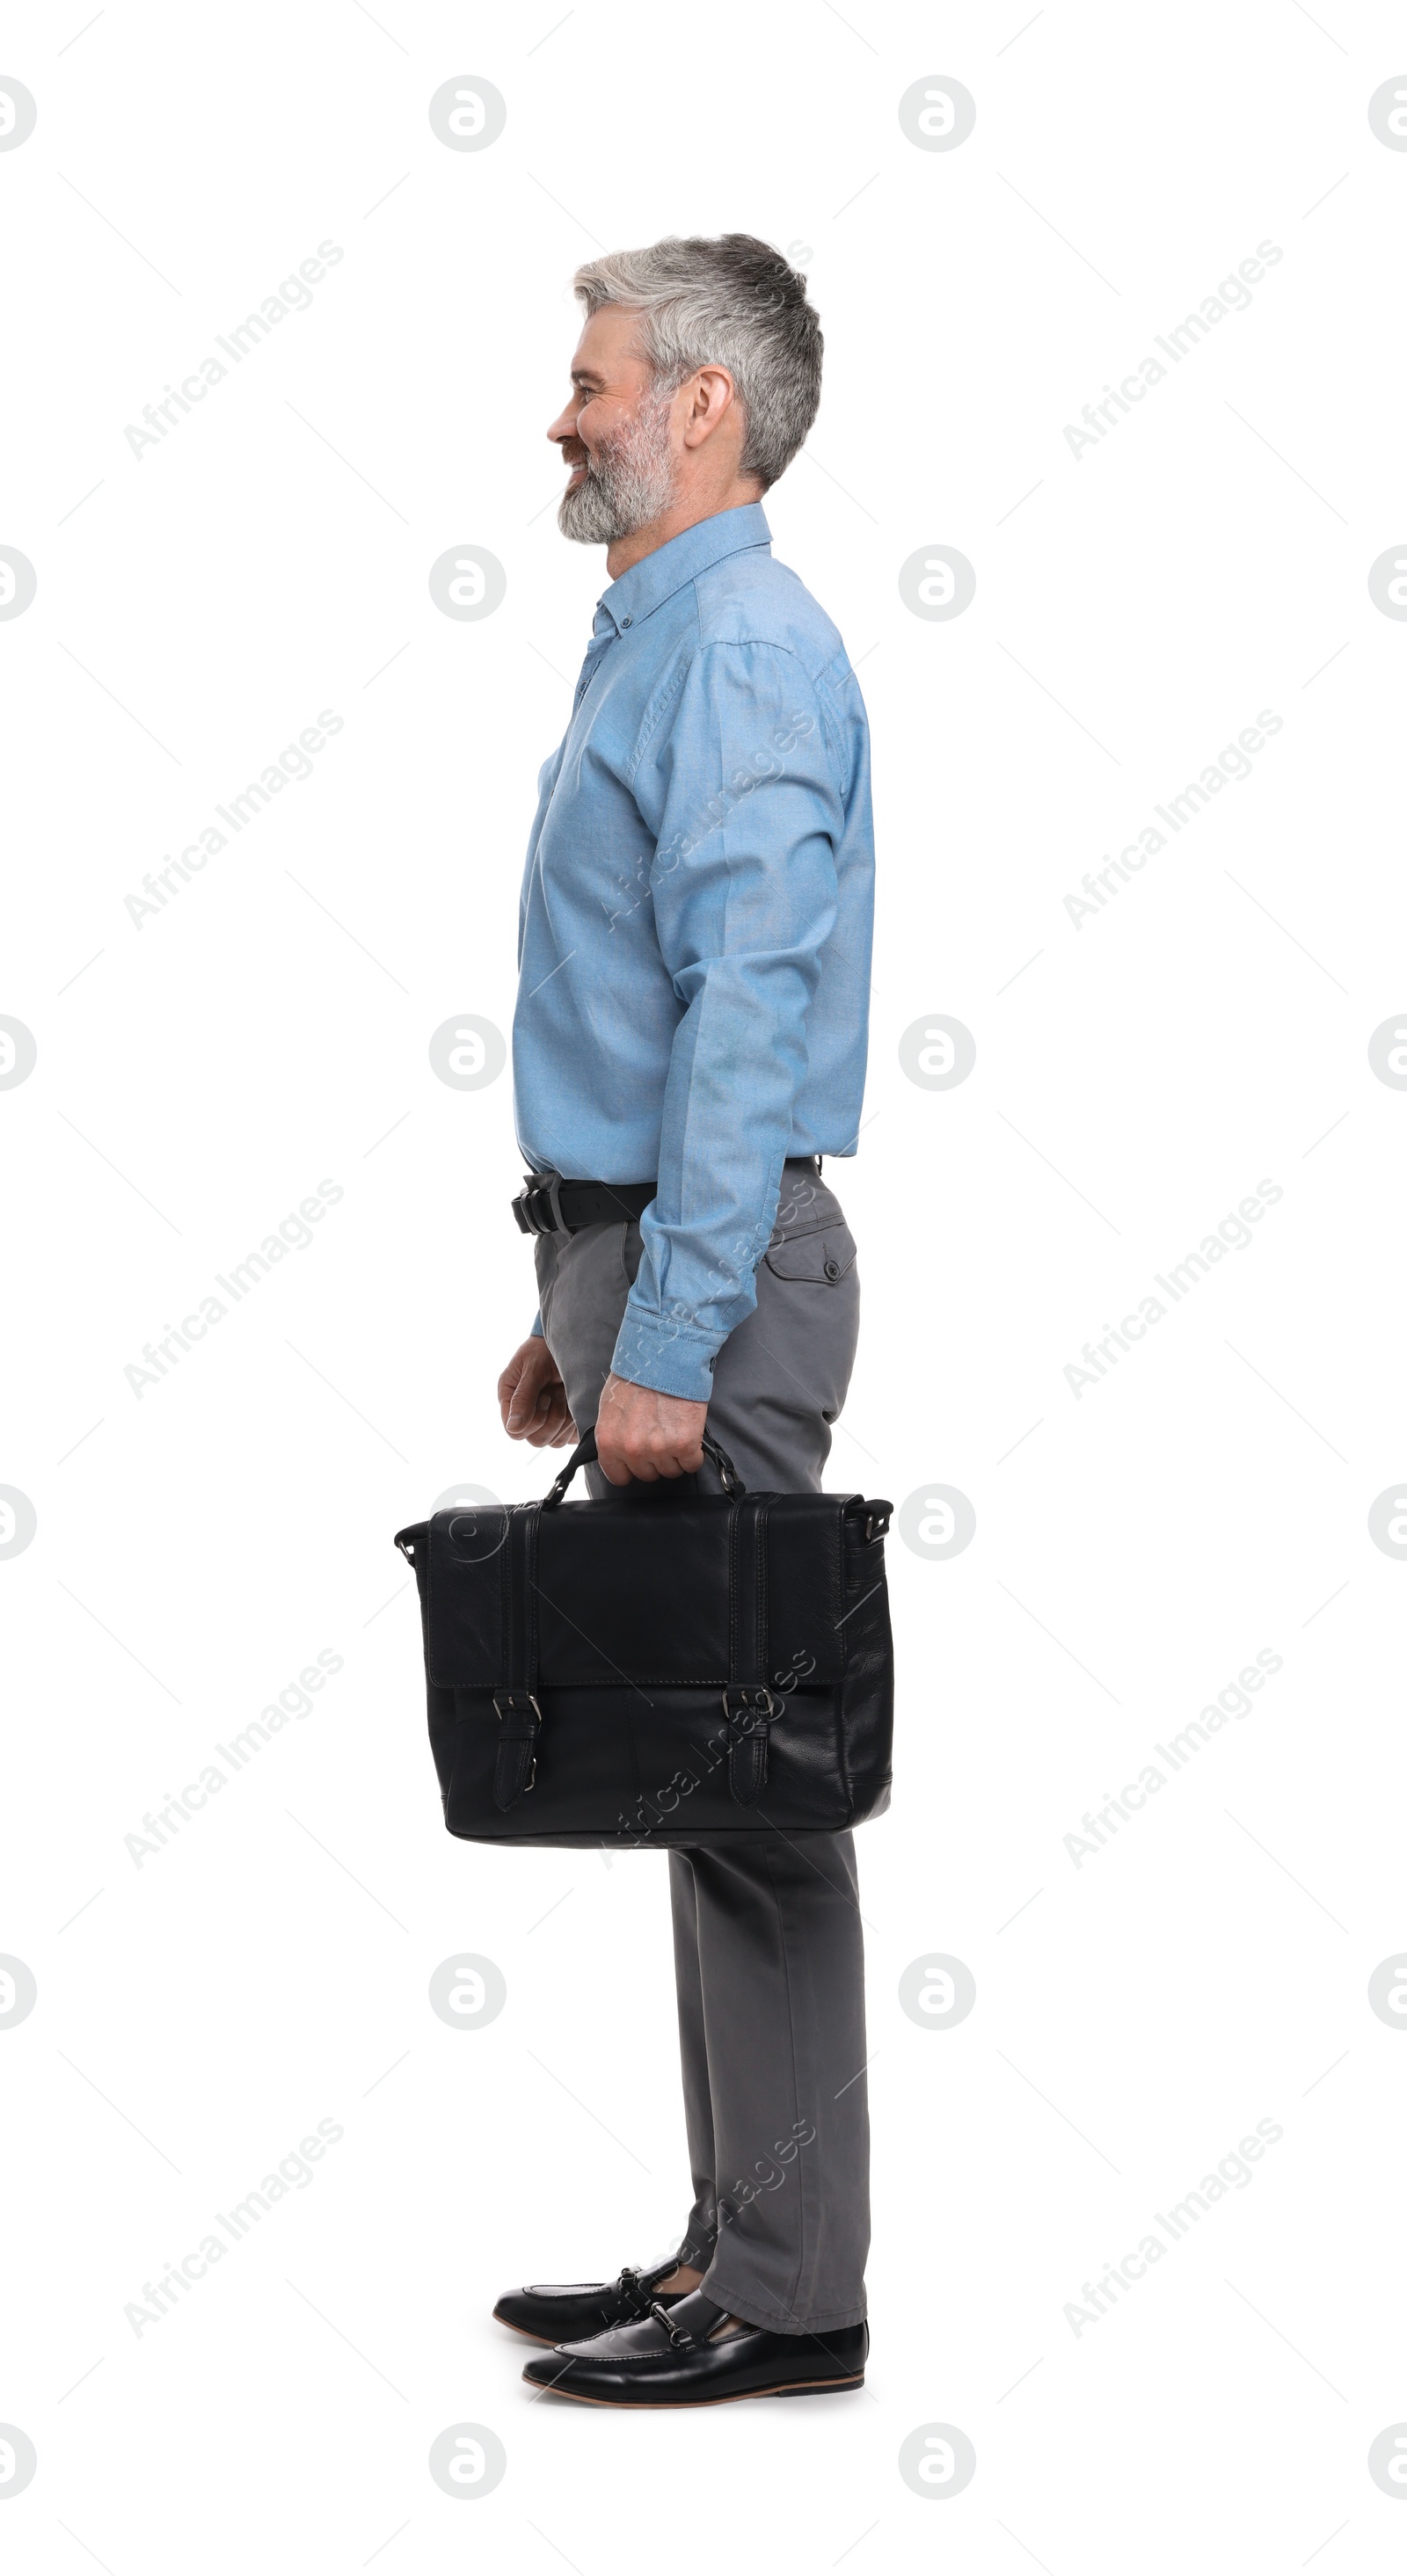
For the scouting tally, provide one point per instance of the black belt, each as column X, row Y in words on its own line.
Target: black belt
column 551, row 1205
column 554, row 1206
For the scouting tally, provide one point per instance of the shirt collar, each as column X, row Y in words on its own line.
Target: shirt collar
column 659, row 575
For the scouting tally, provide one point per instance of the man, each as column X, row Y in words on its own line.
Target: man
column 689, row 1041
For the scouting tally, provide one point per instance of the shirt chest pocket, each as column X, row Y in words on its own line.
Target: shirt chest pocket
column 824, row 1256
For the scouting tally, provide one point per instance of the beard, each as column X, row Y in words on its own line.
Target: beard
column 628, row 483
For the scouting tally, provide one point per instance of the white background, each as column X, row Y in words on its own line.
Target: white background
column 1208, row 1498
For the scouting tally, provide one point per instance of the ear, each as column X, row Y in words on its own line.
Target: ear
column 712, row 399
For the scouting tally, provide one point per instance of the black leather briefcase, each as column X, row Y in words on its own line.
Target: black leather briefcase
column 666, row 1666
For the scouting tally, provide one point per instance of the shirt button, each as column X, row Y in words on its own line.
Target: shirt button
column 626, row 621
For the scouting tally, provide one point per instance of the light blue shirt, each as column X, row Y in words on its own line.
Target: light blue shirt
column 695, row 926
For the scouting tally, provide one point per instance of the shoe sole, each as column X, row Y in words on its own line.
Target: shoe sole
column 681, row 2405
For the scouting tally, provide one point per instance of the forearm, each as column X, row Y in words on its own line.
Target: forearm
column 738, row 1060
column 745, row 897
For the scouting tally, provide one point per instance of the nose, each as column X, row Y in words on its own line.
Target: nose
column 564, row 426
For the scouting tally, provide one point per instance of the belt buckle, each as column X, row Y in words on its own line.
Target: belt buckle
column 526, row 1207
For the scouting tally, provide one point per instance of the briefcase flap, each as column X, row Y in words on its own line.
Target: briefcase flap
column 671, row 1586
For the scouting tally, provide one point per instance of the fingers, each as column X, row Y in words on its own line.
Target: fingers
column 521, row 1412
column 644, row 1435
column 624, row 1461
column 517, row 1391
column 552, row 1424
column 529, row 1394
column 640, row 1460
column 544, row 1422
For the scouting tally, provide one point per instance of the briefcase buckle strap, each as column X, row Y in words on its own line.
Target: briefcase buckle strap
column 515, row 1769
column 749, row 1709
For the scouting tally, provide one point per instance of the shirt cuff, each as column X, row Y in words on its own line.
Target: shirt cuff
column 535, row 1327
column 652, row 1350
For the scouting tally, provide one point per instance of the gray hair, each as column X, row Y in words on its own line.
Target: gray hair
column 731, row 303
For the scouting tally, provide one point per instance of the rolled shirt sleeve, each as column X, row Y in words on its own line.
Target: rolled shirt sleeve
column 739, row 786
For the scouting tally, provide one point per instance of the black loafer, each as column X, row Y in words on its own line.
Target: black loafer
column 676, row 2357
column 567, row 2312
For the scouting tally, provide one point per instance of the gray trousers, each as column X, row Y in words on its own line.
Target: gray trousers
column 768, row 1950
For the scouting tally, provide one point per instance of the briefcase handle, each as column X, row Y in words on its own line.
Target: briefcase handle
column 584, row 1456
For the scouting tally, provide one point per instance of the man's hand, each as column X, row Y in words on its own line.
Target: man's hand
column 533, row 1400
column 644, row 1434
